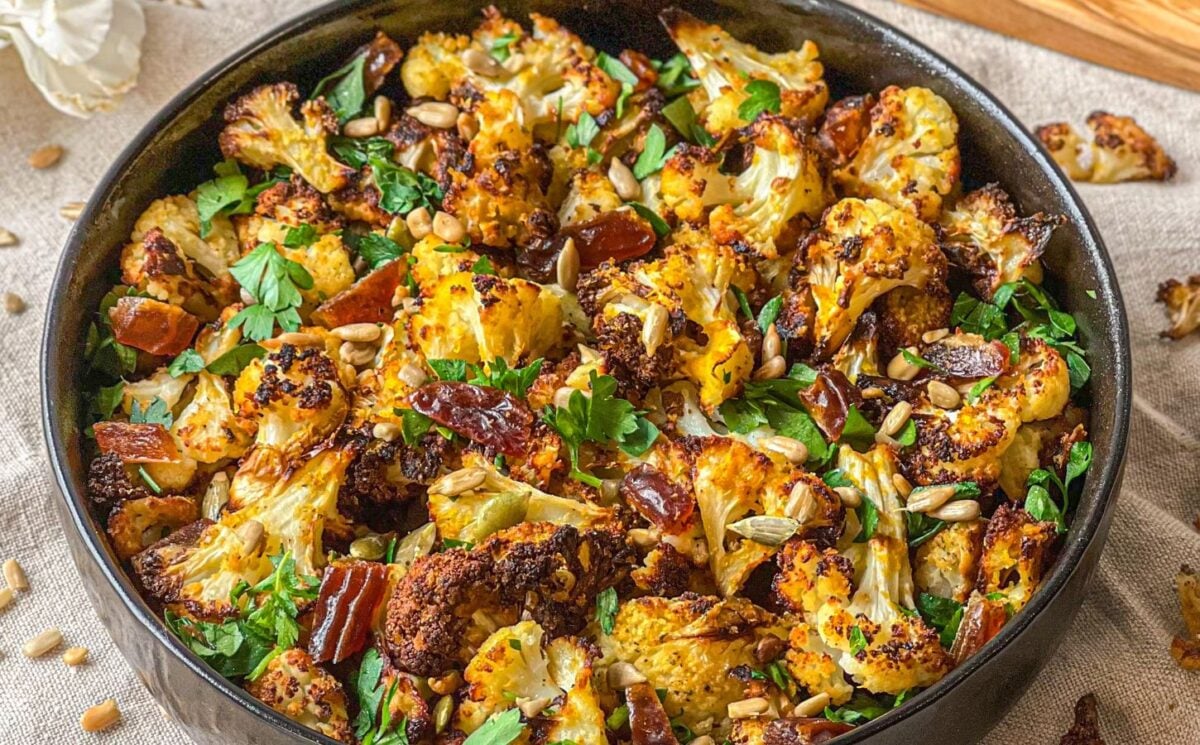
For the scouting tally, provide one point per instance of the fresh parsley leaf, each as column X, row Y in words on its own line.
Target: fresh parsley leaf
column 156, row 413
column 974, row 316
column 275, row 283
column 868, row 518
column 258, row 321
column 455, row 370
column 769, row 313
column 942, row 614
column 299, row 237
column 377, row 249
column 979, row 387
column 229, row 648
column 742, row 300
column 276, row 596
column 658, row 224
column 761, row 95
column 236, row 359
column 858, row 641
column 859, row 709
column 109, row 397
column 365, row 685
column 615, row 69
column 582, row 132
column 858, row 432
column 907, row 436
column 919, row 361
column 835, row 478
column 921, row 527
column 798, row 424
column 1079, row 458
column 402, row 190
column 501, row 46
column 189, row 361
column 1078, row 370
column 449, row 543
column 499, row 729
column 683, row 118
column 483, row 265
column 357, row 152
column 413, row 425
column 344, row 89
column 654, row 153
column 602, row 418
column 1041, row 506
column 224, row 194
column 511, row 380
column 606, row 609
column 675, row 76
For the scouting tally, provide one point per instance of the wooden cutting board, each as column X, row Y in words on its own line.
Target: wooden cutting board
column 1157, row 39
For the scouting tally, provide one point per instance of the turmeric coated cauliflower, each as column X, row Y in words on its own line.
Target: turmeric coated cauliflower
column 297, row 687
column 1120, row 150
column 861, row 250
column 261, row 131
column 946, row 564
column 910, row 156
column 1183, row 306
column 726, row 68
column 983, row 234
column 1016, row 552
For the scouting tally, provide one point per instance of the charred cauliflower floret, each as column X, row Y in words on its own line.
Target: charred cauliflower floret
column 291, row 399
column 728, row 69
column 677, row 642
column 1183, row 306
column 808, row 576
column 501, row 199
column 732, row 482
column 261, row 131
column 197, row 568
column 136, row 523
column 1041, row 444
column 207, row 428
column 168, row 260
column 1120, row 150
column 517, row 665
column 1016, row 552
column 983, row 234
column 910, row 157
column 946, row 564
column 298, row 688
column 1186, row 649
column 446, row 605
column 861, row 250
column 900, row 652
column 906, row 314
column 968, row 444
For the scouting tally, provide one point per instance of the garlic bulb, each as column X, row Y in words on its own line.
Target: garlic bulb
column 81, row 54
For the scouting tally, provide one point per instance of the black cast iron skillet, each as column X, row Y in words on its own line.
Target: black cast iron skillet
column 177, row 149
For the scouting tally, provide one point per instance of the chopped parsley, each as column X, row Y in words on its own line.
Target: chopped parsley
column 606, row 609
column 858, row 641
column 236, row 359
column 618, row 71
column 499, row 729
column 601, row 418
column 761, row 95
column 157, row 412
column 275, row 283
column 189, row 361
column 942, row 614
column 658, row 224
column 502, row 46
column 403, row 190
column 344, row 89
column 299, row 237
column 675, row 76
column 377, row 249
column 654, row 154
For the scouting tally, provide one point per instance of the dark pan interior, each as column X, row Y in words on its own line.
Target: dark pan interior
column 178, row 149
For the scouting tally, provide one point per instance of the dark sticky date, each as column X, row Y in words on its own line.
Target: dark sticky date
column 658, row 499
column 488, row 416
column 828, row 401
column 350, row 592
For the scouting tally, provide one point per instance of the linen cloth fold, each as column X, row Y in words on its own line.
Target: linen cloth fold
column 1117, row 646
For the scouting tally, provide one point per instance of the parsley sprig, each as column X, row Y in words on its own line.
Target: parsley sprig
column 601, row 418
column 1038, row 501
column 761, row 95
column 230, row 193
column 374, row 724
column 275, row 283
column 497, row 374
column 499, row 729
column 344, row 89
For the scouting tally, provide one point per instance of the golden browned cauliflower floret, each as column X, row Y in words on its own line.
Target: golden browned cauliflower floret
column 677, row 642
column 968, row 443
column 808, row 576
column 433, row 65
column 782, row 181
column 910, row 157
column 443, row 609
column 861, row 250
column 208, row 430
column 900, row 651
column 518, row 666
column 983, row 234
column 1186, row 649
column 326, row 259
column 859, row 354
column 1120, row 150
column 298, row 688
column 727, row 68
column 641, row 316
column 501, row 199
column 906, row 314
column 732, row 482
column 946, row 564
column 590, row 194
column 196, row 568
column 261, row 131
column 1016, row 552
column 1183, row 306
column 136, row 523
column 1040, row 444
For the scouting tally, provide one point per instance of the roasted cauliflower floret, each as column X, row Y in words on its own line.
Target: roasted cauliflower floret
column 1041, row 444
column 518, row 665
column 1186, row 649
column 208, row 430
column 808, row 576
column 731, row 482
column 946, row 564
column 325, row 259
column 433, row 65
column 136, row 523
column 1120, row 150
column 298, row 688
column 1183, row 306
column 677, row 642
column 1016, row 552
column 261, row 131
column 727, row 68
column 501, row 199
column 861, row 250
column 446, row 605
column 197, row 567
column 900, row 651
column 910, row 157
column 983, row 234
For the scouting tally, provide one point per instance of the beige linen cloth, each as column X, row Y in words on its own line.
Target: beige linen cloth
column 1117, row 646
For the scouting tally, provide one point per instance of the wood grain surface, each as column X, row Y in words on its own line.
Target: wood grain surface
column 1157, row 39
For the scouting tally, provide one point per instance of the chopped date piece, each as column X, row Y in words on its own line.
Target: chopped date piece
column 136, row 443
column 648, row 719
column 611, row 236
column 152, row 326
column 369, row 300
column 383, row 54
column 828, row 400
column 967, row 356
column 641, row 66
column 488, row 416
column 803, row 731
column 350, row 592
column 658, row 499
column 981, row 621
column 1086, row 729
